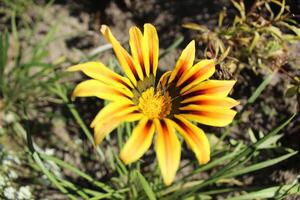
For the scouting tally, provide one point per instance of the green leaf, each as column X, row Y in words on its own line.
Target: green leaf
column 292, row 91
column 239, row 5
column 276, row 192
column 146, row 186
column 173, row 46
column 274, row 30
column 261, row 87
column 295, row 29
column 196, row 27
column 282, row 8
column 77, row 171
column 4, row 44
column 270, row 142
column 51, row 177
column 254, row 41
column 222, row 15
column 252, row 136
column 73, row 187
column 224, row 55
column 258, row 166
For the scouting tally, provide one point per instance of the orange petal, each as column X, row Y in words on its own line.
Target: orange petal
column 104, row 128
column 198, row 73
column 136, row 45
column 164, row 79
column 150, row 48
column 167, row 150
column 210, row 100
column 99, row 71
column 139, row 141
column 184, row 62
column 129, row 66
column 194, row 137
column 112, row 109
column 208, row 115
column 210, row 87
column 96, row 88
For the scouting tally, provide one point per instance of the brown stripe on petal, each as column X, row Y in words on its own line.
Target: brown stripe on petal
column 197, row 74
column 145, row 131
column 151, row 60
column 219, row 102
column 167, row 142
column 210, row 114
column 182, row 69
column 118, row 93
column 142, row 65
column 205, row 91
column 148, row 125
column 131, row 66
column 136, row 112
column 190, row 133
column 140, row 54
column 195, row 93
column 120, row 81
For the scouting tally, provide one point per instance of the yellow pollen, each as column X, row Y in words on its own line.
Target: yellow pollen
column 155, row 105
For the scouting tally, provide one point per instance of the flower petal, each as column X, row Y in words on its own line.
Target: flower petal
column 198, row 73
column 126, row 61
column 167, row 150
column 104, row 128
column 208, row 115
column 112, row 109
column 139, row 141
column 99, row 71
column 194, row 137
column 184, row 62
column 151, row 48
column 96, row 88
column 210, row 100
column 164, row 79
column 137, row 48
column 210, row 87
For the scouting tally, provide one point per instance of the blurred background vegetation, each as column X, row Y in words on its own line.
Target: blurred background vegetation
column 46, row 148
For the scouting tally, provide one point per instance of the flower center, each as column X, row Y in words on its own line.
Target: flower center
column 155, row 104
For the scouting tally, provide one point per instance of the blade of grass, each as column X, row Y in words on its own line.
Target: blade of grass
column 4, row 44
column 51, row 177
column 77, row 171
column 253, row 147
column 60, row 91
column 210, row 165
column 145, row 185
column 230, row 166
column 175, row 44
column 276, row 192
column 261, row 87
column 41, row 165
column 73, row 187
column 259, row 165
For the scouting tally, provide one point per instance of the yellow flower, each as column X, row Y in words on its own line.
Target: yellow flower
column 160, row 106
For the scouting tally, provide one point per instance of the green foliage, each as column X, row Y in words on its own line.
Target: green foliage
column 25, row 83
column 258, row 37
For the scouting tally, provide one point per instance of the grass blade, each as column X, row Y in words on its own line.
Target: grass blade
column 276, row 192
column 258, row 166
column 78, row 172
column 261, row 87
column 145, row 185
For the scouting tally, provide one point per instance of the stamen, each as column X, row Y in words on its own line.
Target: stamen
column 154, row 104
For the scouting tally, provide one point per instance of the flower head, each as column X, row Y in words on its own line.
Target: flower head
column 162, row 106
